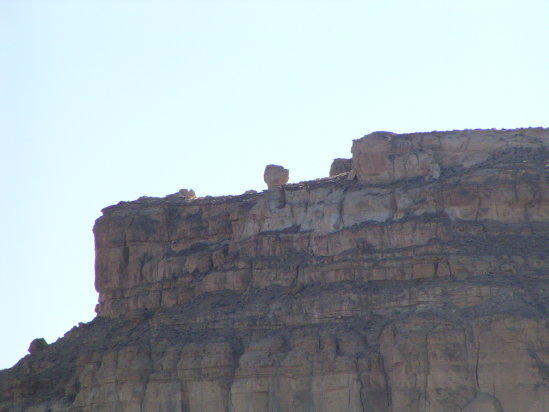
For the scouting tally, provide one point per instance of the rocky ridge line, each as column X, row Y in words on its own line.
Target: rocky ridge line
column 414, row 280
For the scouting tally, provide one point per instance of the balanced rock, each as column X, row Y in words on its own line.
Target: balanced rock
column 37, row 345
column 275, row 175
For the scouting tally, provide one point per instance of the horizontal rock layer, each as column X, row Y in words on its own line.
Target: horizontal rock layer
column 478, row 220
column 421, row 289
column 384, row 156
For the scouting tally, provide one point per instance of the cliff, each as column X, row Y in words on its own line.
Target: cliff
column 417, row 280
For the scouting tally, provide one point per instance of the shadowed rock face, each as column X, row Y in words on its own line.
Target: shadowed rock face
column 37, row 345
column 421, row 286
column 340, row 166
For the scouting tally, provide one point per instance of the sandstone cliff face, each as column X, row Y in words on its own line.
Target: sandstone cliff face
column 421, row 285
column 384, row 156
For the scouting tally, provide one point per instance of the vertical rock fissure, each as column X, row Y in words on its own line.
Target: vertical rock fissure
column 341, row 209
column 426, row 399
column 477, row 363
column 388, row 389
column 393, row 204
column 468, row 356
column 477, row 213
column 148, row 377
column 361, row 388
column 238, row 350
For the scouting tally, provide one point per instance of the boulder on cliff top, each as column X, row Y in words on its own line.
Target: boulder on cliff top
column 275, row 175
column 37, row 345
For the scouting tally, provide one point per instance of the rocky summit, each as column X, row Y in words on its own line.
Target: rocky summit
column 414, row 279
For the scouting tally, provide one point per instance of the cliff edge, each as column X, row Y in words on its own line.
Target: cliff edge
column 415, row 278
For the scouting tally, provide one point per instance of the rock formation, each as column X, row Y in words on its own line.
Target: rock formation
column 419, row 286
column 340, row 166
column 186, row 193
column 275, row 176
column 37, row 345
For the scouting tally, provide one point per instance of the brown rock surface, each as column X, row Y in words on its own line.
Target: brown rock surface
column 416, row 288
column 340, row 166
column 275, row 176
column 37, row 345
column 382, row 157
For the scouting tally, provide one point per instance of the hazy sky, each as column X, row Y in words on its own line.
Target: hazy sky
column 109, row 101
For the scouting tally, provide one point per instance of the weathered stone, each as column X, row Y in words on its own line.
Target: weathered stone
column 37, row 345
column 186, row 193
column 382, row 157
column 483, row 403
column 275, row 175
column 421, row 287
column 340, row 166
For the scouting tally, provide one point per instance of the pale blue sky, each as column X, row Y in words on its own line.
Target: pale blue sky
column 112, row 100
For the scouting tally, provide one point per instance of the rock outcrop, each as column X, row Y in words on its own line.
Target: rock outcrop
column 340, row 166
column 383, row 157
column 37, row 345
column 275, row 176
column 422, row 285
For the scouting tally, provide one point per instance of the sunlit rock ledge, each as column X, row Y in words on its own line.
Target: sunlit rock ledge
column 415, row 278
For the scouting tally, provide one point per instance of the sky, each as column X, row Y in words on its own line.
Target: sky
column 103, row 101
